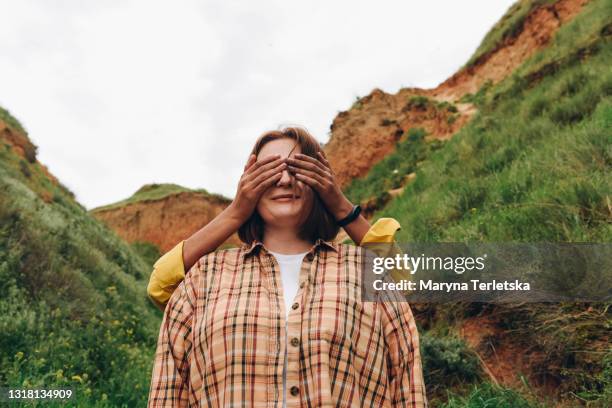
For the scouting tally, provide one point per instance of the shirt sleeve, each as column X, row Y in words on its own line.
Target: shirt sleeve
column 382, row 231
column 170, row 377
column 168, row 273
column 380, row 239
column 406, row 384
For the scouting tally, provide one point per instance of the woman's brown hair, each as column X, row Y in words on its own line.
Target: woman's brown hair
column 320, row 223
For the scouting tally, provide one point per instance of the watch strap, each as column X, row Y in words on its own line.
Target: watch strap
column 351, row 216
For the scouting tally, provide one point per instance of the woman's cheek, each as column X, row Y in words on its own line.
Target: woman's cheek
column 262, row 209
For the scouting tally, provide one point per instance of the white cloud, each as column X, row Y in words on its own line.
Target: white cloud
column 119, row 94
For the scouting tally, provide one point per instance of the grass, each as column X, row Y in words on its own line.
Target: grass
column 391, row 171
column 487, row 395
column 154, row 192
column 533, row 164
column 10, row 120
column 74, row 310
column 421, row 102
column 148, row 252
column 357, row 104
column 418, row 102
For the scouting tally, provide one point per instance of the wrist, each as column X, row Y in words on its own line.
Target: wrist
column 234, row 215
column 343, row 209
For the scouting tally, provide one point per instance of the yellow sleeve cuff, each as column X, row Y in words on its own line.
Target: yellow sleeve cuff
column 168, row 272
column 383, row 230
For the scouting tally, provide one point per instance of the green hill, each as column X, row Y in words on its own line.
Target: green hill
column 534, row 164
column 153, row 192
column 73, row 304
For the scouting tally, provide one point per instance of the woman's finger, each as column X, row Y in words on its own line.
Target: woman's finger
column 310, row 159
column 313, row 175
column 307, row 164
column 254, row 173
column 323, row 158
column 263, row 162
column 267, row 182
column 254, row 182
column 310, row 181
column 312, row 171
column 321, row 161
column 252, row 159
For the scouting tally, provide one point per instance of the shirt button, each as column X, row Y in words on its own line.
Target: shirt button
column 295, row 305
column 295, row 342
column 295, row 390
column 302, row 284
column 309, row 257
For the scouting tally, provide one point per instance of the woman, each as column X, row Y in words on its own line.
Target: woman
column 228, row 338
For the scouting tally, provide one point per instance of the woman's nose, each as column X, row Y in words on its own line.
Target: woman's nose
column 286, row 179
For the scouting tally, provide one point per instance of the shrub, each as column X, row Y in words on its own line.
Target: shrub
column 147, row 251
column 417, row 102
column 447, row 362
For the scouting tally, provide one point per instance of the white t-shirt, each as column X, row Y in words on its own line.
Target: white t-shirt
column 290, row 276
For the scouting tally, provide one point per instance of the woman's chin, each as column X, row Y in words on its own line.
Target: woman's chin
column 283, row 215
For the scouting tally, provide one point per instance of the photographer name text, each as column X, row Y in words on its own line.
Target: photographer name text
column 430, row 285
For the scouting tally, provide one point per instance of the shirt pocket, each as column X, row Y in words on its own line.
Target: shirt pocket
column 339, row 322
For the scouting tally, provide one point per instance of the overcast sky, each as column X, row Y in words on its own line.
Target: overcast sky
column 117, row 94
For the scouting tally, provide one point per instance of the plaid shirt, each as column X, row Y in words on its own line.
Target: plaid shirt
column 222, row 339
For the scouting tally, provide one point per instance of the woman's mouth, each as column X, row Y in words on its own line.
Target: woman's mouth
column 285, row 197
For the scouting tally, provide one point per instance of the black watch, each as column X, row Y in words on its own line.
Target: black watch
column 351, row 216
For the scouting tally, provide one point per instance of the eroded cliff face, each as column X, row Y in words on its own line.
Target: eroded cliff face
column 538, row 29
column 165, row 221
column 22, row 153
column 363, row 135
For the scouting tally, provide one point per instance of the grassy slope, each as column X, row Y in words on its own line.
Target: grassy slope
column 6, row 116
column 533, row 165
column 390, row 172
column 73, row 310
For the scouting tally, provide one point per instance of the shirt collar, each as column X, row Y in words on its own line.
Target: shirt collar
column 319, row 243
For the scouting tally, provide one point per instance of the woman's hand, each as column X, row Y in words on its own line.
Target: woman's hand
column 319, row 175
column 257, row 177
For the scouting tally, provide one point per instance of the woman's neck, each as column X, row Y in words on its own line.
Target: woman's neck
column 284, row 240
